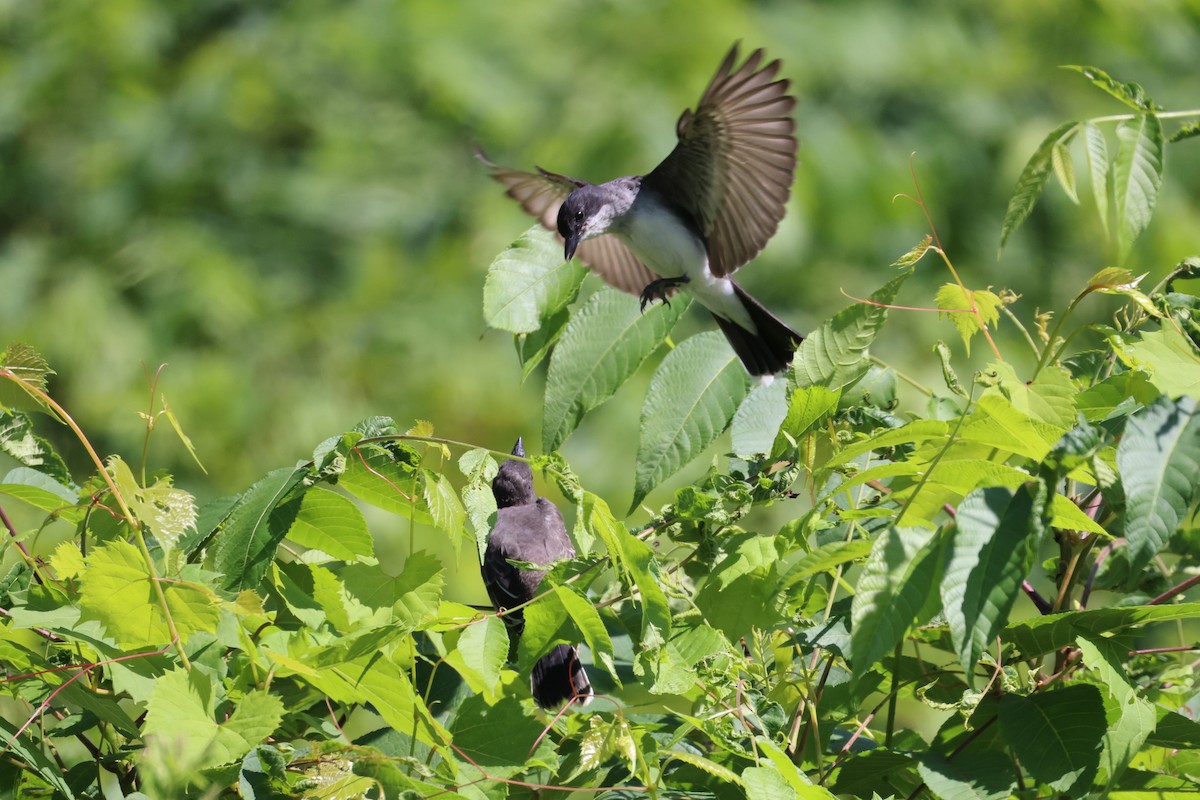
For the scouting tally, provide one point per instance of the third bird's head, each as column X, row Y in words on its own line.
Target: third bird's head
column 513, row 484
column 588, row 211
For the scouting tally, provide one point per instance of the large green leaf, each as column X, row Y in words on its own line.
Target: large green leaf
column 329, row 522
column 758, row 418
column 1166, row 355
column 993, row 548
column 181, row 712
column 692, row 398
column 1130, row 718
column 118, row 591
column 1159, row 462
column 255, row 527
column 529, row 282
column 478, row 652
column 834, row 355
column 1045, row 634
column 1057, row 735
column 1137, row 175
column 603, row 345
column 896, row 583
column 1033, row 179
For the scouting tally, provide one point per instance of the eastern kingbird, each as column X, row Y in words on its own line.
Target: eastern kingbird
column 531, row 529
column 705, row 211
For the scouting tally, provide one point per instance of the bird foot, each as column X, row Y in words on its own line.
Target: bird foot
column 657, row 290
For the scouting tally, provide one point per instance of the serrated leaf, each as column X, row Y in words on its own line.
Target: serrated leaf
column 834, row 354
column 1097, row 156
column 1064, row 169
column 254, row 528
column 388, row 479
column 692, row 399
column 993, row 548
column 25, row 363
column 31, row 751
column 915, row 254
column 1130, row 718
column 971, row 775
column 444, row 506
column 1131, row 94
column 1158, row 459
column 1045, row 634
column 700, row 762
column 408, row 600
column 1057, row 735
column 19, row 442
column 757, row 420
column 43, row 492
column 1189, row 131
column 478, row 501
column 896, row 582
column 948, row 373
column 1032, row 180
column 1137, row 176
column 528, row 282
column 603, row 345
column 605, row 739
column 118, row 592
column 1167, row 356
column 957, row 304
column 478, row 654
column 329, row 522
column 807, row 410
column 165, row 511
column 532, row 348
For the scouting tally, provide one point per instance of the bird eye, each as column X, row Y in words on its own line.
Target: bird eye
column 579, row 214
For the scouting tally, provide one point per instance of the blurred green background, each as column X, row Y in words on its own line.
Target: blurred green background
column 279, row 201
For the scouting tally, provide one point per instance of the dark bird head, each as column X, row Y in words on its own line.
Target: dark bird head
column 586, row 212
column 513, row 484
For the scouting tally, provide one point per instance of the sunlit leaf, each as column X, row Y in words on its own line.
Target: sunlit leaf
column 1137, row 176
column 1064, row 169
column 329, row 522
column 968, row 309
column 603, row 345
column 1098, row 167
column 1033, row 179
column 1128, row 93
column 529, row 282
column 691, row 401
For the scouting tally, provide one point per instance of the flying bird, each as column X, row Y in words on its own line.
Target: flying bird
column 530, row 529
column 691, row 222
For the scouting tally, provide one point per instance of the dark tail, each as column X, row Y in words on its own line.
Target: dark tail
column 770, row 349
column 558, row 677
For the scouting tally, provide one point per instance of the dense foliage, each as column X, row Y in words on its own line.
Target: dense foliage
column 982, row 596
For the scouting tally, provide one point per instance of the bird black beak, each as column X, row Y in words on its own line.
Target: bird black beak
column 572, row 243
column 519, row 448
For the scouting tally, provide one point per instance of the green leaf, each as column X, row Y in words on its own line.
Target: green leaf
column 1057, row 735
column 387, row 478
column 1166, row 355
column 807, row 409
column 532, row 348
column 603, row 345
column 444, row 506
column 1032, row 180
column 971, row 775
column 956, row 302
column 835, row 354
column 375, row 679
column 28, row 365
column 165, row 511
column 896, row 582
column 1064, row 169
column 587, row 619
column 948, row 374
column 478, row 501
column 32, row 755
column 329, row 522
column 1137, row 175
column 706, row 764
column 409, row 599
column 1045, row 634
column 1130, row 93
column 255, row 527
column 1189, row 131
column 605, row 739
column 691, row 401
column 19, row 442
column 1130, row 718
column 994, row 546
column 499, row 737
column 1097, row 156
column 43, row 492
column 478, row 653
column 529, row 282
column 757, row 420
column 118, row 591
column 1158, row 459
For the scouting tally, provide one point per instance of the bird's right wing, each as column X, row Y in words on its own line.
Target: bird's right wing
column 541, row 194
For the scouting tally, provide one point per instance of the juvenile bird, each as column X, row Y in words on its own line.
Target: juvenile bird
column 706, row 210
column 531, row 529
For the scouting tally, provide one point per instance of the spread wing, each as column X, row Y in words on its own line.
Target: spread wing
column 541, row 193
column 733, row 167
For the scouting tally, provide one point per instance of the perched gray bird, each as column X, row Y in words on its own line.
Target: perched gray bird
column 705, row 211
column 531, row 529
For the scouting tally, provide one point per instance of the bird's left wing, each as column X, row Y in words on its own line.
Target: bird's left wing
column 541, row 194
column 733, row 167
